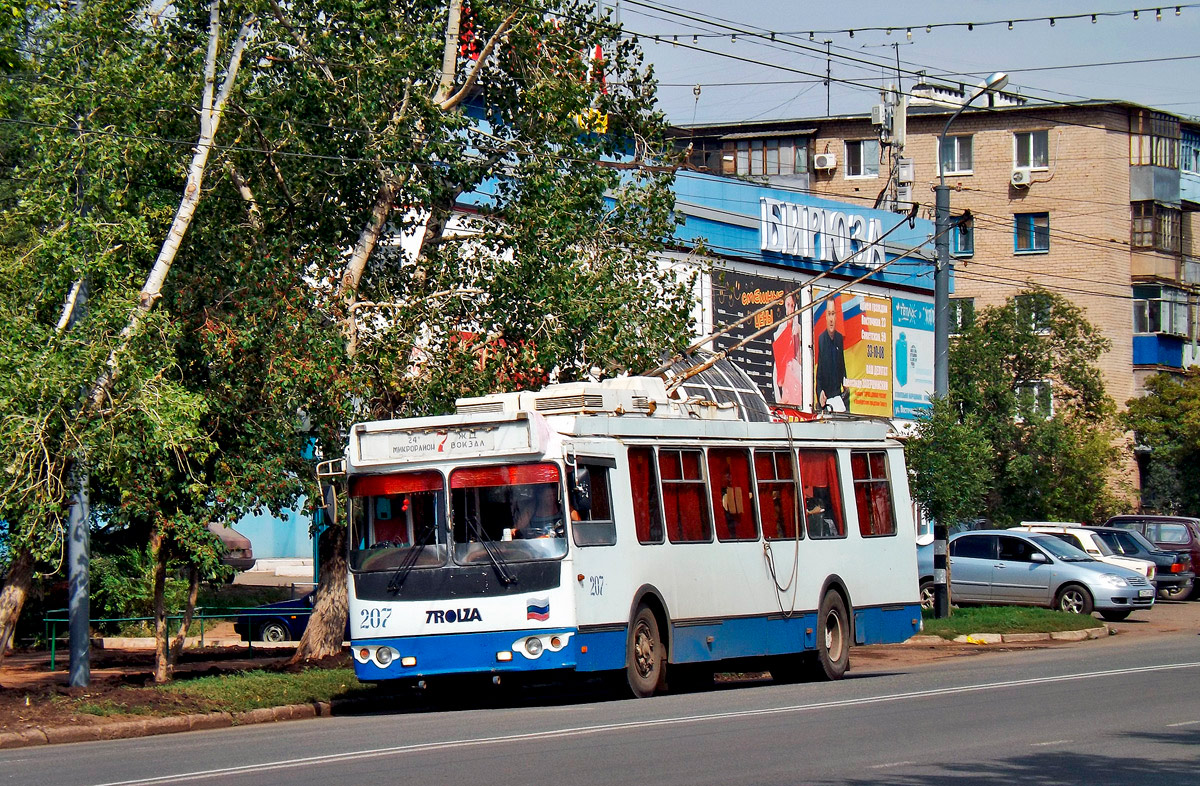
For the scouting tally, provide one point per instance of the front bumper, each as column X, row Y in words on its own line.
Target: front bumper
column 493, row 652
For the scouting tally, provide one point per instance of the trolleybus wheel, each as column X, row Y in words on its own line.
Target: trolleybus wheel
column 833, row 637
column 645, row 662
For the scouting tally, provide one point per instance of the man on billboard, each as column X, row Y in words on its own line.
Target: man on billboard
column 831, row 364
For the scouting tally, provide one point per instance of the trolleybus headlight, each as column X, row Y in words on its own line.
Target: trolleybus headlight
column 364, row 654
column 533, row 645
column 383, row 656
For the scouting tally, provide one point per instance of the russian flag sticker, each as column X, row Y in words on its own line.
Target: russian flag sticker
column 537, row 609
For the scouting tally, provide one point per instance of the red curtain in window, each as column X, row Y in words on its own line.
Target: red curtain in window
column 776, row 494
column 732, row 497
column 645, row 493
column 514, row 475
column 402, row 483
column 818, row 471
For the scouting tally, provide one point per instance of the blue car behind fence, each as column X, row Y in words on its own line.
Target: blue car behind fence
column 276, row 622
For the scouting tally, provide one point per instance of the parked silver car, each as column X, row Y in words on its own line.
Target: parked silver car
column 1031, row 569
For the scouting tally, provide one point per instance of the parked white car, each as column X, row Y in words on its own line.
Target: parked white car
column 1083, row 538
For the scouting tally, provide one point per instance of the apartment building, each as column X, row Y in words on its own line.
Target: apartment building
column 1096, row 201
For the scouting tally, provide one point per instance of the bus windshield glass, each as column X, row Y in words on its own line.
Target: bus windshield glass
column 397, row 520
column 513, row 512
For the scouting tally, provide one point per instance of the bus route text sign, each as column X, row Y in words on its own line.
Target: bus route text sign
column 432, row 444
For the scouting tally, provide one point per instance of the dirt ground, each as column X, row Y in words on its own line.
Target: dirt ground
column 33, row 696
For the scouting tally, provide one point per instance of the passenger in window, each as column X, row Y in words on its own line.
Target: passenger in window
column 539, row 516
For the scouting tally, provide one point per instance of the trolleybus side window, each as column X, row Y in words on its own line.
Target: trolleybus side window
column 513, row 511
column 643, row 483
column 872, row 493
column 684, row 506
column 732, row 494
column 822, row 494
column 591, row 505
column 776, row 493
column 393, row 515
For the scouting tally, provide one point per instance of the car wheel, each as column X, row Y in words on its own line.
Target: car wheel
column 645, row 660
column 1115, row 615
column 927, row 595
column 274, row 633
column 833, row 637
column 1074, row 599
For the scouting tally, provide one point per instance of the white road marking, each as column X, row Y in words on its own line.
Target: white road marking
column 1051, row 742
column 890, row 765
column 580, row 731
column 1184, row 723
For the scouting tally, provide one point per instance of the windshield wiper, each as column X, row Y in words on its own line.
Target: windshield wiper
column 489, row 546
column 410, row 561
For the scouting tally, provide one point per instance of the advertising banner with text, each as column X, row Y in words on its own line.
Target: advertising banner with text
column 852, row 337
column 912, row 332
column 773, row 359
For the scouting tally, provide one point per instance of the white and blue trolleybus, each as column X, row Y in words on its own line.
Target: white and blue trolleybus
column 612, row 526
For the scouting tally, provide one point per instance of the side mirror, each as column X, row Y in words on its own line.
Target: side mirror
column 1039, row 557
column 329, row 502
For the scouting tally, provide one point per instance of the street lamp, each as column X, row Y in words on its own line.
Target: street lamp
column 941, row 326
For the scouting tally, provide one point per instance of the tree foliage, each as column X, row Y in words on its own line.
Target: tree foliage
column 1046, row 462
column 1167, row 421
column 347, row 128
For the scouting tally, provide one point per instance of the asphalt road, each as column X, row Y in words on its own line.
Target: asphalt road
column 1122, row 710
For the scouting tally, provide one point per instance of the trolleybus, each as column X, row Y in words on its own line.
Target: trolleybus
column 612, row 526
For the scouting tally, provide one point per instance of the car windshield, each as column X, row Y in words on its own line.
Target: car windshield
column 508, row 513
column 1063, row 551
column 1126, row 542
column 397, row 520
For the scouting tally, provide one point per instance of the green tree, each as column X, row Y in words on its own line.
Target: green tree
column 950, row 464
column 1023, row 379
column 1167, row 421
column 215, row 350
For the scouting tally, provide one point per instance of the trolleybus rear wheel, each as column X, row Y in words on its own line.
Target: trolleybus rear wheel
column 833, row 637
column 645, row 661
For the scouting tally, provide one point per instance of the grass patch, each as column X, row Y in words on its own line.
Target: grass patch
column 1004, row 619
column 254, row 689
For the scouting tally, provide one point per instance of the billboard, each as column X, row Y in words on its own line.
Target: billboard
column 852, row 354
column 774, row 360
column 912, row 333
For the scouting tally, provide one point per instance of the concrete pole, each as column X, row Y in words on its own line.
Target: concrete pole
column 78, row 554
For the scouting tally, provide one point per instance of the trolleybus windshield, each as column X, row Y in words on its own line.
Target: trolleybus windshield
column 515, row 509
column 397, row 520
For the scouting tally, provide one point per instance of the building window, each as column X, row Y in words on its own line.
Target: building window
column 1031, row 232
column 783, row 156
column 962, row 238
column 1035, row 399
column 1153, row 139
column 1032, row 149
column 862, row 158
column 1155, row 227
column 1163, row 310
column 1191, row 152
column 962, row 314
column 956, row 155
column 707, row 156
column 1033, row 311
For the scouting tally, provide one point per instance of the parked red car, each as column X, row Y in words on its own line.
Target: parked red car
column 1173, row 533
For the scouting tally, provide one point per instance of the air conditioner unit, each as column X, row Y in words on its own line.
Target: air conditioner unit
column 825, row 161
column 1021, row 178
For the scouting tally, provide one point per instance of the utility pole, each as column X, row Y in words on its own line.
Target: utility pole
column 828, row 75
column 79, row 545
column 941, row 331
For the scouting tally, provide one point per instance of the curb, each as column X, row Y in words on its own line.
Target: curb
column 147, row 727
column 1013, row 638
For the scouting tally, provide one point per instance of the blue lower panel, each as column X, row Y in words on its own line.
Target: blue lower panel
column 742, row 637
column 889, row 625
column 600, row 651
column 464, row 653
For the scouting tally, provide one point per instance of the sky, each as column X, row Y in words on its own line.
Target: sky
column 737, row 90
